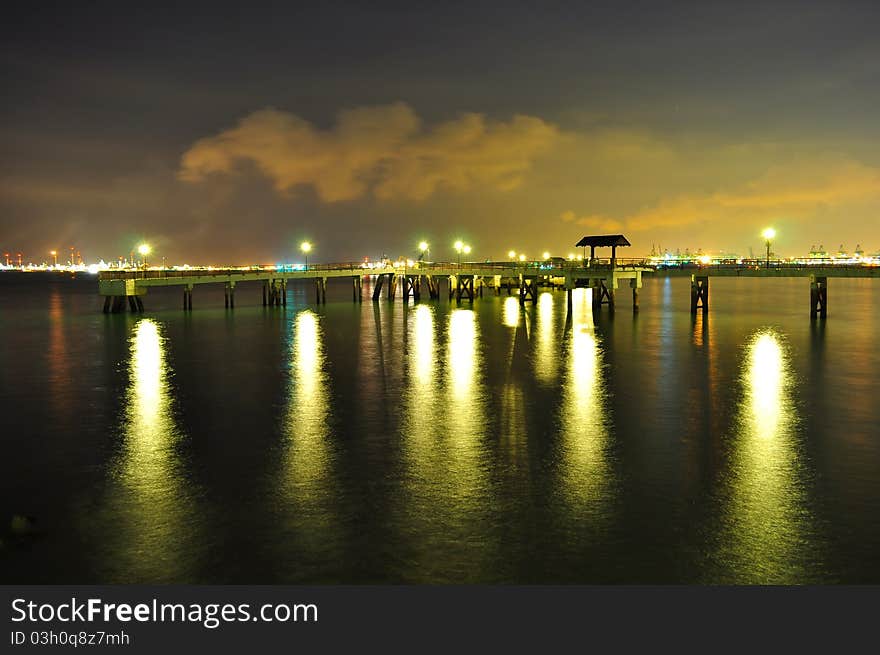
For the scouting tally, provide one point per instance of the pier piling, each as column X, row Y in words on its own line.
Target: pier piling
column 818, row 296
column 699, row 293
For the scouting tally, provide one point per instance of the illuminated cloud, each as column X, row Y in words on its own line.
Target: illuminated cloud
column 383, row 151
column 595, row 223
column 795, row 190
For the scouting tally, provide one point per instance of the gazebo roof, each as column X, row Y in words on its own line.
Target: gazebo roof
column 603, row 241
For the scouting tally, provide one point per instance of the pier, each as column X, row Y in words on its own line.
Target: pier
column 466, row 281
column 461, row 282
column 816, row 275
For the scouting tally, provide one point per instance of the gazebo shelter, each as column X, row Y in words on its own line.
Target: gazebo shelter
column 602, row 241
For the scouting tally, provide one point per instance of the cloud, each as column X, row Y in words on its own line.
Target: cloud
column 382, row 151
column 596, row 223
column 797, row 190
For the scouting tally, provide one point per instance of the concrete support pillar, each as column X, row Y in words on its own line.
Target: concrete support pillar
column 634, row 284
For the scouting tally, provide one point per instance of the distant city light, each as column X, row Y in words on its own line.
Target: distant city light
column 511, row 254
column 466, row 250
column 522, row 258
column 458, row 245
column 423, row 245
column 545, row 255
column 144, row 249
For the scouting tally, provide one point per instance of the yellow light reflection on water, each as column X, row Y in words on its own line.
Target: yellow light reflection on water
column 423, row 346
column 423, row 414
column 546, row 357
column 765, row 520
column 586, row 472
column 308, row 511
column 462, row 354
column 511, row 312
column 306, row 426
column 466, row 417
column 152, row 542
column 150, row 428
column 766, row 381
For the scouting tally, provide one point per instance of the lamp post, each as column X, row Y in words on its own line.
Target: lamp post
column 306, row 247
column 768, row 234
column 459, row 246
column 423, row 248
column 144, row 250
column 511, row 254
column 54, row 254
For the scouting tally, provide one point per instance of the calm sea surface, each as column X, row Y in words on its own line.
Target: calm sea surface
column 377, row 443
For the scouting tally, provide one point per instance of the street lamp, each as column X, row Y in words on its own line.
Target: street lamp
column 459, row 246
column 511, row 254
column 423, row 248
column 306, row 247
column 144, row 249
column 768, row 234
column 54, row 254
column 522, row 258
column 545, row 255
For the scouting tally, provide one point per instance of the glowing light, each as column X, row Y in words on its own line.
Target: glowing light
column 458, row 245
column 423, row 246
column 522, row 258
column 705, row 259
column 144, row 249
column 571, row 257
column 305, row 246
column 511, row 254
column 769, row 233
column 466, row 250
column 545, row 255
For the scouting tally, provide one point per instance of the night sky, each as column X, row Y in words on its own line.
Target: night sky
column 228, row 134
